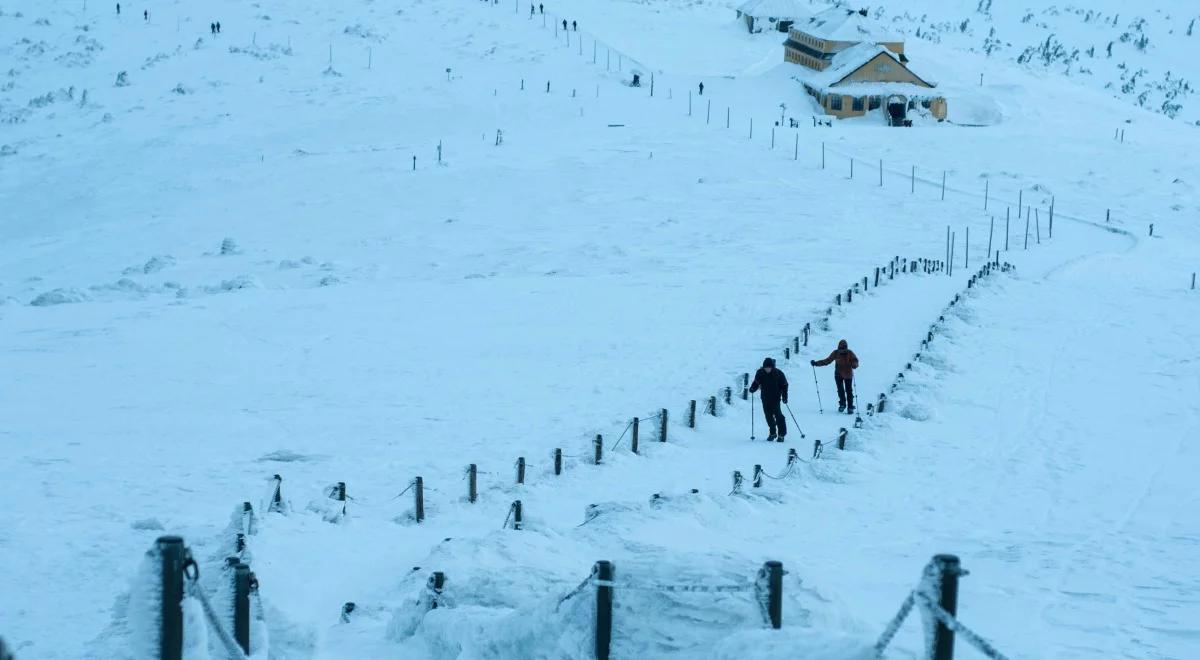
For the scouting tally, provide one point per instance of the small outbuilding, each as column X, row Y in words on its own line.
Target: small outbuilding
column 776, row 15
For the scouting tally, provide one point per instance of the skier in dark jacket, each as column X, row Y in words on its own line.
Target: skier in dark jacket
column 845, row 362
column 774, row 388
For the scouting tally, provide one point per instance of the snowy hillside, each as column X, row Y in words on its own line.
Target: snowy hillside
column 1145, row 54
column 365, row 243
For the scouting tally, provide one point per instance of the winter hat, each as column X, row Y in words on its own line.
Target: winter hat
column 843, row 345
column 769, row 362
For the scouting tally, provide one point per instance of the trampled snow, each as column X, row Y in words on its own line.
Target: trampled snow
column 222, row 263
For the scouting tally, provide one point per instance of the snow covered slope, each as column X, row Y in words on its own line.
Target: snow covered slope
column 222, row 262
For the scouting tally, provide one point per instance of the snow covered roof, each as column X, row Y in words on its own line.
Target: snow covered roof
column 850, row 60
column 841, row 24
column 785, row 9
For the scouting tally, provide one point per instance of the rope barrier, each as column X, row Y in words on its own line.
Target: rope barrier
column 410, row 487
column 894, row 626
column 957, row 626
column 214, row 621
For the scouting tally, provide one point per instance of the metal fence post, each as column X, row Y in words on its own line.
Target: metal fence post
column 757, row 479
column 633, row 439
column 557, row 461
column 473, row 483
column 170, row 635
column 773, row 571
column 604, row 603
column 520, row 469
column 419, row 499
column 662, row 427
column 241, row 605
column 516, row 515
column 712, row 406
column 692, row 414
column 946, row 571
column 598, row 446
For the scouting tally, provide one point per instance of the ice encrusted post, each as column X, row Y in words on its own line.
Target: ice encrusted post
column 633, row 438
column 692, row 414
column 944, row 572
column 662, row 428
column 603, row 573
column 242, row 578
column 170, row 552
column 773, row 571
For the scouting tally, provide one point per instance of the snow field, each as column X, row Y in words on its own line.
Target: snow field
column 521, row 298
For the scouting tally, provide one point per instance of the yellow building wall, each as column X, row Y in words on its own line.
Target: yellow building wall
column 895, row 72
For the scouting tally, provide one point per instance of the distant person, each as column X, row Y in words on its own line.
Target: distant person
column 701, row 89
column 146, row 14
column 118, row 9
column 845, row 362
column 541, row 9
column 774, row 388
column 531, row 10
column 564, row 25
column 218, row 27
column 574, row 26
column 212, row 28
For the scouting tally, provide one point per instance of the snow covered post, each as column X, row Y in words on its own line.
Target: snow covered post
column 598, row 447
column 876, row 277
column 728, row 396
column 419, row 499
column 1193, row 281
column 712, row 404
column 1037, row 225
column 880, row 172
column 945, row 570
column 692, row 414
column 633, row 439
column 603, row 572
column 838, row 298
column 1026, row 231
column 517, row 521
column 170, row 636
column 242, row 579
column 662, row 428
column 708, row 113
column 985, row 193
column 967, row 249
column 943, row 185
column 796, row 345
column 852, row 167
column 806, row 326
column 1152, row 229
column 787, row 352
column 520, row 470
column 1007, row 215
column 473, row 482
column 772, row 137
column 1020, row 200
column 756, row 481
column 751, row 128
column 912, row 181
column 726, row 116
column 557, row 460
column 1050, row 229
column 689, row 103
column 991, row 228
column 841, row 438
column 773, row 572
column 277, row 496
column 796, row 148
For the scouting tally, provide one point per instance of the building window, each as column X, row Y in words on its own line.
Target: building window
column 873, row 103
column 857, row 104
column 835, row 102
column 883, row 67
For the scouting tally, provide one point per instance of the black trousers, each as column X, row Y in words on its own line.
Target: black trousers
column 775, row 421
column 845, row 388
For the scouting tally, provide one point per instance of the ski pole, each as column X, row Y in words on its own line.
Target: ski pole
column 820, row 408
column 797, row 424
column 751, row 416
